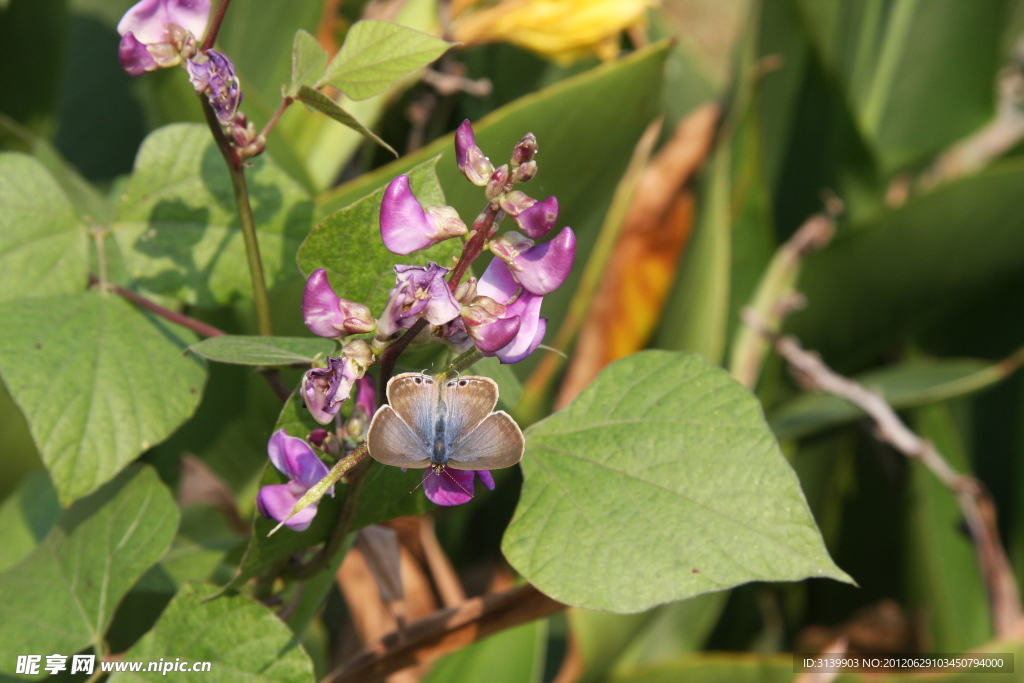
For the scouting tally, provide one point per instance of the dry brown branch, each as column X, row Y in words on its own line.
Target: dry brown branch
column 443, row 632
column 974, row 500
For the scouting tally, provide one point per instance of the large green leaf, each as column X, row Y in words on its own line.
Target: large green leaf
column 904, row 386
column 660, row 481
column 62, row 596
column 177, row 223
column 98, row 380
column 347, row 243
column 43, row 244
column 378, row 53
column 26, row 517
column 585, row 145
column 255, row 350
column 512, row 656
column 386, row 493
column 919, row 75
column 239, row 638
column 882, row 278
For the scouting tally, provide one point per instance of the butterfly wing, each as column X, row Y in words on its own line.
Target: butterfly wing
column 497, row 442
column 468, row 400
column 414, row 396
column 392, row 442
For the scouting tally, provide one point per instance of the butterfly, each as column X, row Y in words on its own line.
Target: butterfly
column 444, row 423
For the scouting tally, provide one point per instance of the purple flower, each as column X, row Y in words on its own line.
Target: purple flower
column 134, row 57
column 405, row 227
column 213, row 74
column 497, row 284
column 152, row 21
column 420, row 291
column 325, row 389
column 453, row 487
column 366, row 395
column 537, row 220
column 328, row 316
column 296, row 460
column 542, row 268
column 487, row 326
column 469, row 158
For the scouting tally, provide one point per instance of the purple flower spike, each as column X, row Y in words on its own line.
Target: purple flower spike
column 134, row 57
column 453, row 487
column 420, row 291
column 149, row 19
column 405, row 227
column 538, row 220
column 497, row 283
column 296, row 460
column 542, row 269
column 213, row 74
column 328, row 316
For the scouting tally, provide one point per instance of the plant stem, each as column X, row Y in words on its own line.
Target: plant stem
column 197, row 326
column 252, row 247
column 285, row 103
column 218, row 18
column 460, row 363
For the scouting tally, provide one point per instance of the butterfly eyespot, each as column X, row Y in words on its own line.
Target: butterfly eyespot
column 417, row 380
column 463, row 382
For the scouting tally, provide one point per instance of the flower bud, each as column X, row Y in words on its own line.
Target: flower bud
column 317, row 437
column 525, row 150
column 496, row 183
column 537, row 220
column 326, row 315
column 509, row 246
column 405, row 227
column 469, row 158
column 466, row 291
column 515, row 202
column 487, row 325
column 526, row 172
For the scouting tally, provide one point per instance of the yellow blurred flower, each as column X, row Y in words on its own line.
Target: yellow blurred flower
column 562, row 30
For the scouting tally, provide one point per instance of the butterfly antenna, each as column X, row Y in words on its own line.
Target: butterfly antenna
column 553, row 350
column 416, row 487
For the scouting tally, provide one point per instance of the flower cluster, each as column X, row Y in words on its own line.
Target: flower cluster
column 157, row 34
column 499, row 314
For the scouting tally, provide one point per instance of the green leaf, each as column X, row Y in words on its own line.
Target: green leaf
column 944, row 577
column 26, row 517
column 308, row 61
column 659, row 482
column 351, row 236
column 726, row 668
column 585, row 147
column 251, row 350
column 240, row 638
column 386, row 493
column 515, row 655
column 177, row 223
column 317, row 100
column 890, row 275
column 378, row 53
column 907, row 385
column 98, row 381
column 43, row 244
column 62, row 596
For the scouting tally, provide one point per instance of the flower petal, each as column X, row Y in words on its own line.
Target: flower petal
column 486, row 478
column 542, row 269
column 404, row 226
column 303, row 465
column 450, row 487
column 276, row 449
column 276, row 502
column 134, row 57
column 320, row 309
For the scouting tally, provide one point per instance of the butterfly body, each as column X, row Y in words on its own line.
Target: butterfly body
column 449, row 423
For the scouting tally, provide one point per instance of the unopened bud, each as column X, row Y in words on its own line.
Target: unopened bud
column 478, row 168
column 526, row 172
column 466, row 291
column 509, row 246
column 526, row 150
column 497, row 182
column 514, row 203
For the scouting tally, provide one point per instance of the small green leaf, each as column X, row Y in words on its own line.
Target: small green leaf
column 378, row 53
column 659, row 482
column 61, row 597
column 317, row 100
column 249, row 350
column 347, row 243
column 240, row 638
column 98, row 381
column 907, row 385
column 308, row 61
column 177, row 222
column 43, row 244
